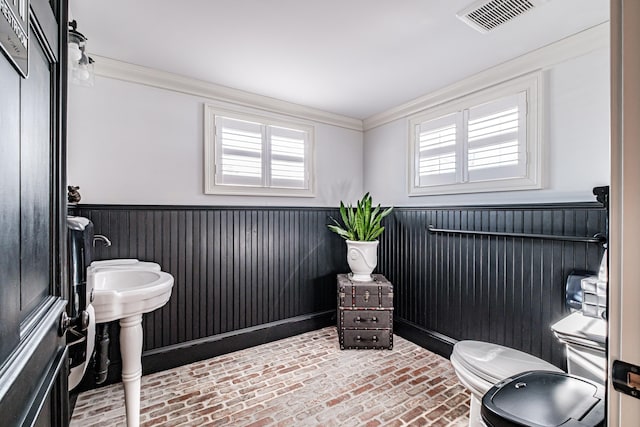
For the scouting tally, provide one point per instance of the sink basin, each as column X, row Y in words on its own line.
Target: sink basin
column 125, row 263
column 120, row 293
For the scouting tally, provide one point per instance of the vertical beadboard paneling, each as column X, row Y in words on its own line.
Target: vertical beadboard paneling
column 245, row 266
column 234, row 268
column 507, row 290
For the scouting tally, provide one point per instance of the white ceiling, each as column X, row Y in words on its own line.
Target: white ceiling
column 350, row 57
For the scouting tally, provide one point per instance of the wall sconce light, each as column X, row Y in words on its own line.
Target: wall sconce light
column 80, row 64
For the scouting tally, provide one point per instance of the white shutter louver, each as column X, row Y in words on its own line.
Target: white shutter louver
column 239, row 157
column 497, row 139
column 288, row 147
column 436, row 150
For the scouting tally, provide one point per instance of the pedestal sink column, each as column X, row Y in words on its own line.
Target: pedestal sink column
column 124, row 293
column 131, row 351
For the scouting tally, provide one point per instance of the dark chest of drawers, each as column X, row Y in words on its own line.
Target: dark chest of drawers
column 365, row 313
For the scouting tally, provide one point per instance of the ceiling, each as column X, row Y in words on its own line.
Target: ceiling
column 351, row 57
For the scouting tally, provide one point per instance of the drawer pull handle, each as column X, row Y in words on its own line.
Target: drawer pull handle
column 359, row 319
column 372, row 339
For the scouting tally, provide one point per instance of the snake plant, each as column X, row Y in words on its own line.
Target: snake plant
column 361, row 223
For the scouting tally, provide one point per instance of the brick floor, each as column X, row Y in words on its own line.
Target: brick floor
column 304, row 380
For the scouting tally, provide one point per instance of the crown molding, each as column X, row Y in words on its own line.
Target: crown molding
column 587, row 41
column 119, row 70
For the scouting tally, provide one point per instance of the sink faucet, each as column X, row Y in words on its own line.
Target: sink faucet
column 103, row 238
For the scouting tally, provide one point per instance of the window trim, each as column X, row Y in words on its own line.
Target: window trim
column 268, row 119
column 532, row 84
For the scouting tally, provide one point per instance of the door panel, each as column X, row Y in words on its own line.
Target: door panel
column 9, row 207
column 35, row 181
column 33, row 355
column 33, row 368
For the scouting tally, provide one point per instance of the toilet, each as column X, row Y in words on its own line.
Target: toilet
column 479, row 365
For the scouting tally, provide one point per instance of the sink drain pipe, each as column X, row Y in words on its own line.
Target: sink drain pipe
column 102, row 353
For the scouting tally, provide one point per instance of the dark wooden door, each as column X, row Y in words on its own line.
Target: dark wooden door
column 33, row 355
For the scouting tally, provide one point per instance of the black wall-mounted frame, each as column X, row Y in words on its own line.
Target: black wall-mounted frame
column 14, row 25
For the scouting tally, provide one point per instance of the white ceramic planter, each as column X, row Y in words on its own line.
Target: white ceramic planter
column 362, row 258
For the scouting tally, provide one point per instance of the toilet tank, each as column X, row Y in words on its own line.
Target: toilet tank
column 80, row 246
column 80, row 335
column 585, row 341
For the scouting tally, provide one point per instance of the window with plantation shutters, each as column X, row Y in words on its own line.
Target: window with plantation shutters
column 251, row 155
column 485, row 142
column 496, row 139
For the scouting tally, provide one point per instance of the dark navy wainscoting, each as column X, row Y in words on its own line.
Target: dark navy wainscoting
column 506, row 290
column 234, row 268
column 245, row 275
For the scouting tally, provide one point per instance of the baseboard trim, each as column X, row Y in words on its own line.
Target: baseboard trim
column 194, row 351
column 431, row 340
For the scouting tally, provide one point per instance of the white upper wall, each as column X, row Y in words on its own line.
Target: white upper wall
column 130, row 143
column 576, row 130
column 356, row 57
column 136, row 137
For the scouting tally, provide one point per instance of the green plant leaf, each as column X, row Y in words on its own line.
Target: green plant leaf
column 359, row 228
column 352, row 219
column 361, row 223
column 339, row 230
column 336, row 222
column 386, row 212
column 367, row 214
column 375, row 213
column 376, row 233
column 343, row 213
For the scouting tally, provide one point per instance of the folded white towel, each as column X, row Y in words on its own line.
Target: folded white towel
column 603, row 273
column 589, row 284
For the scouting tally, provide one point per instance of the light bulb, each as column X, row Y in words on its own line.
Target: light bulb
column 74, row 52
column 82, row 73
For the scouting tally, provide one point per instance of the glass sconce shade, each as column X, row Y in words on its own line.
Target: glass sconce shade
column 80, row 64
column 74, row 52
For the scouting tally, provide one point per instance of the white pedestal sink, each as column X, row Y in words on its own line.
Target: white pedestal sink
column 125, row 264
column 124, row 293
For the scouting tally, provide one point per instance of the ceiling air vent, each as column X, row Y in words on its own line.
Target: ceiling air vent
column 485, row 15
